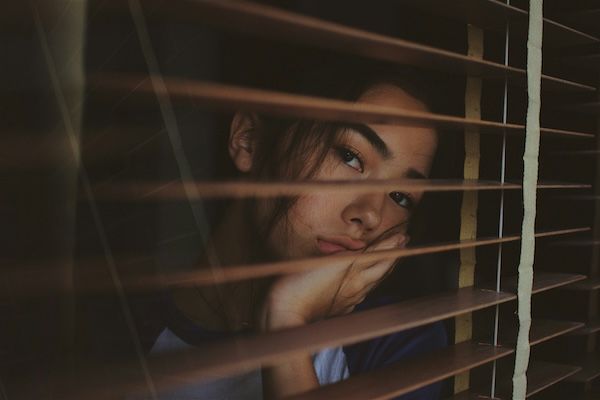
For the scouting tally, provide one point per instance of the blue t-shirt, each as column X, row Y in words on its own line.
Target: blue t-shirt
column 331, row 365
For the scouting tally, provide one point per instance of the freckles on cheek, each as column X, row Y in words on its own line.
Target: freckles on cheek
column 301, row 214
column 316, row 213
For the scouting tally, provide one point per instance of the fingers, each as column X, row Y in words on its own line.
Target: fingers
column 398, row 240
column 361, row 279
column 357, row 289
column 378, row 271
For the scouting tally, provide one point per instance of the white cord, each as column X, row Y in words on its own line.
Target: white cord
column 530, row 177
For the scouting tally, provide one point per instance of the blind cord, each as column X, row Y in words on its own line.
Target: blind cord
column 501, row 213
column 530, row 177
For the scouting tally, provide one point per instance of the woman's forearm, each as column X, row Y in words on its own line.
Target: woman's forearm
column 296, row 374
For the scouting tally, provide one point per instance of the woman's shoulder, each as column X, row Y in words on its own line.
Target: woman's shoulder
column 384, row 350
column 395, row 347
column 398, row 347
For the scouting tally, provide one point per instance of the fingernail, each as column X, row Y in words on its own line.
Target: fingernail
column 404, row 241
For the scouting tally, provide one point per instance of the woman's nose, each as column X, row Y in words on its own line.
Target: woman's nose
column 365, row 211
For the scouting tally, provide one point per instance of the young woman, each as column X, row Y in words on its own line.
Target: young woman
column 319, row 224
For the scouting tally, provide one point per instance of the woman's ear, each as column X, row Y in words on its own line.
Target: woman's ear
column 242, row 138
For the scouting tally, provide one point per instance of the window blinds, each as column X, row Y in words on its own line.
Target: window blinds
column 122, row 191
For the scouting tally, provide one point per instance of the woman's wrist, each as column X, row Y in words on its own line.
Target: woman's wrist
column 285, row 321
column 272, row 318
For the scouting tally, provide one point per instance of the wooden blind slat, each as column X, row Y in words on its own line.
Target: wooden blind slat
column 230, row 97
column 177, row 368
column 25, row 150
column 592, row 108
column 262, row 20
column 544, row 329
column 586, row 285
column 235, row 98
column 234, row 273
column 469, row 395
column 589, row 62
column 540, row 376
column 243, row 353
column 494, row 15
column 590, row 328
column 543, row 281
column 590, row 370
column 411, row 374
column 562, row 132
column 177, row 190
column 404, row 377
column 588, row 17
column 34, row 280
column 22, row 151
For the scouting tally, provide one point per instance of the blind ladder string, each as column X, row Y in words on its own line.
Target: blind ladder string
column 3, row 395
column 87, row 187
column 168, row 114
column 501, row 212
column 174, row 135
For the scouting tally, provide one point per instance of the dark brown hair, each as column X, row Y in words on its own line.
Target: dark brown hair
column 294, row 149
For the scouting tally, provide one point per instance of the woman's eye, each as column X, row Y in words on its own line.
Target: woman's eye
column 402, row 199
column 350, row 158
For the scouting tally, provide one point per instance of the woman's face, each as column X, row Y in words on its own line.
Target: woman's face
column 329, row 222
column 326, row 223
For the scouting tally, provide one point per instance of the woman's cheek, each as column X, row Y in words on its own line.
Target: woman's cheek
column 291, row 236
column 314, row 212
column 398, row 216
column 310, row 217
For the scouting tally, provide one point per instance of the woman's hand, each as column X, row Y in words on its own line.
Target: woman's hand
column 300, row 298
column 334, row 289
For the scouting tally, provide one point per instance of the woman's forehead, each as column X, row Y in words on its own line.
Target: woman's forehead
column 408, row 139
column 401, row 139
column 390, row 95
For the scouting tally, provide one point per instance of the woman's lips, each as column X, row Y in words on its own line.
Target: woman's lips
column 339, row 244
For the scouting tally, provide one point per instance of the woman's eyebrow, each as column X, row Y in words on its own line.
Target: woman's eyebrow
column 373, row 138
column 415, row 174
